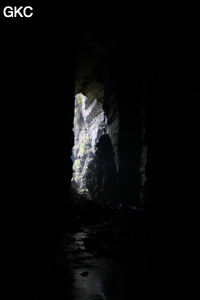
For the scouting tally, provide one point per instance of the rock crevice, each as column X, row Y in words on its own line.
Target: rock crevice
column 89, row 125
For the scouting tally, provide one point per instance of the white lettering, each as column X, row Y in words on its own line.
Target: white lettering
column 10, row 12
column 17, row 11
column 30, row 15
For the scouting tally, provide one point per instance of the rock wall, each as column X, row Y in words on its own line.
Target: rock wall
column 126, row 114
column 122, row 119
column 101, row 178
column 111, row 109
column 89, row 125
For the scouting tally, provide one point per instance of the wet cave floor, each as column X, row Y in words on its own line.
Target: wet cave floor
column 103, row 254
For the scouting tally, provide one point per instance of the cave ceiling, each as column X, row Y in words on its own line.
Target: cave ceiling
column 93, row 51
column 104, row 28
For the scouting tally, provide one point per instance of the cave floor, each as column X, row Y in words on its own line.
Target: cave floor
column 103, row 254
column 112, row 253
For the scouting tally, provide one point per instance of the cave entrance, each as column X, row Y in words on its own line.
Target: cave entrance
column 90, row 123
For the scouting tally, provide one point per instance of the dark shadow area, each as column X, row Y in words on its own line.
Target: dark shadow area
column 57, row 244
column 36, row 141
column 101, row 178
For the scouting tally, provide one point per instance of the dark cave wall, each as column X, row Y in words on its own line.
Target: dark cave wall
column 37, row 138
column 124, row 111
column 37, row 105
column 172, row 120
column 156, row 69
column 119, row 68
column 130, row 137
column 172, row 124
column 111, row 109
column 151, row 81
column 171, row 134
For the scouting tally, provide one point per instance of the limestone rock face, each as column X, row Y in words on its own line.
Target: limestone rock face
column 89, row 125
column 112, row 112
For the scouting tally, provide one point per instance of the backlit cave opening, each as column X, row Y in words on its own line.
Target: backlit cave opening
column 90, row 123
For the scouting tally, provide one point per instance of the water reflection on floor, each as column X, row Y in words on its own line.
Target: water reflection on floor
column 92, row 286
column 105, row 262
